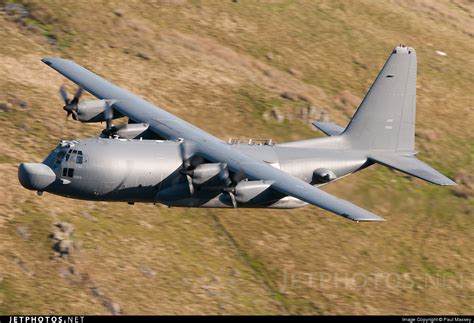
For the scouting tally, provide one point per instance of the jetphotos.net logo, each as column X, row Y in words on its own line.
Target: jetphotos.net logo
column 45, row 319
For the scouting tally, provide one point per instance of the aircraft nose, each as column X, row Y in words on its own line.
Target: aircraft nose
column 34, row 176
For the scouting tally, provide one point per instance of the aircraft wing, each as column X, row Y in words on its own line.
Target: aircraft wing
column 171, row 127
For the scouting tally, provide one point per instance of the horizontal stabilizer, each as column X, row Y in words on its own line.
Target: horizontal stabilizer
column 328, row 128
column 411, row 166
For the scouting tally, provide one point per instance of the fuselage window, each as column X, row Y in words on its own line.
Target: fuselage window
column 68, row 172
column 68, row 154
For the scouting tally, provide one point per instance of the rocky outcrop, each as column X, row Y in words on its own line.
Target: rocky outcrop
column 62, row 239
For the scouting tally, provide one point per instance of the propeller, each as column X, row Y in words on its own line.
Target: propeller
column 189, row 163
column 230, row 189
column 70, row 105
column 109, row 114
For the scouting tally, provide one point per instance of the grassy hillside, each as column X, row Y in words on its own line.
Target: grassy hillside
column 209, row 61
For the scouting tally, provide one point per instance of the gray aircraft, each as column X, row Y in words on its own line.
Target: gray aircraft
column 157, row 157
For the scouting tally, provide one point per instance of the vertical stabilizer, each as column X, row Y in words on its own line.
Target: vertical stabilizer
column 385, row 120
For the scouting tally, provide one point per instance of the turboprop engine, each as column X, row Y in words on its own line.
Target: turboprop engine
column 89, row 110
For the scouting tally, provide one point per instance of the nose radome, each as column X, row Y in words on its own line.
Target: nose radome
column 34, row 176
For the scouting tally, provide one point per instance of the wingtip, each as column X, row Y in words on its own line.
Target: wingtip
column 53, row 60
column 365, row 218
column 449, row 182
column 371, row 220
column 46, row 60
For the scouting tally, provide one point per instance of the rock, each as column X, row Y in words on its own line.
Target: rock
column 295, row 72
column 289, row 96
column 62, row 244
column 23, row 232
column 65, row 246
column 23, row 104
column 277, row 115
column 96, row 292
column 113, row 307
column 65, row 227
column 440, row 53
column 465, row 189
column 5, row 107
column 325, row 117
column 143, row 55
column 464, row 178
column 59, row 235
column 118, row 12
column 16, row 9
column 269, row 56
column 147, row 271
column 313, row 112
column 462, row 192
column 293, row 96
column 309, row 113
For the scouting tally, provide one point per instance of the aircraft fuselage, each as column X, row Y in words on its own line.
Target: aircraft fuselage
column 149, row 171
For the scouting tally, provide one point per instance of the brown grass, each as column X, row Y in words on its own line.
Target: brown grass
column 219, row 60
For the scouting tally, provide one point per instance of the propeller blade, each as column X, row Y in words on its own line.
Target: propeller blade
column 231, row 192
column 190, row 184
column 185, row 154
column 224, row 174
column 77, row 95
column 232, row 198
column 63, row 93
column 108, row 114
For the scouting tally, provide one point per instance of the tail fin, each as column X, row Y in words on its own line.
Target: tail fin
column 385, row 120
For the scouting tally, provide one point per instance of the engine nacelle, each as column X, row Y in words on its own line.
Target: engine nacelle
column 248, row 190
column 204, row 172
column 323, row 175
column 126, row 131
column 93, row 111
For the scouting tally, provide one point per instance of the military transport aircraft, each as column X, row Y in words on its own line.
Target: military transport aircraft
column 159, row 158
